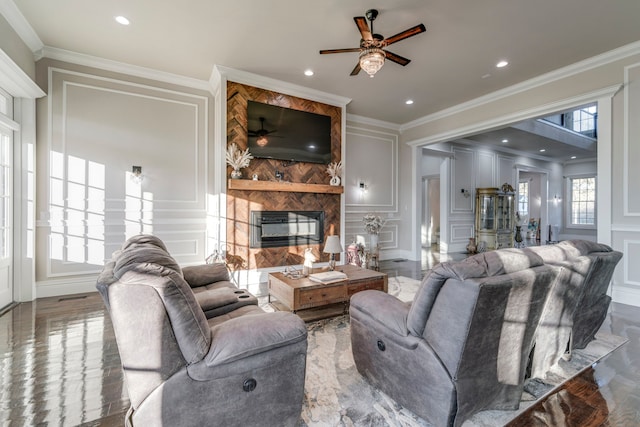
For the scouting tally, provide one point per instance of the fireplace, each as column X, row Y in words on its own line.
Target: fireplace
column 270, row 229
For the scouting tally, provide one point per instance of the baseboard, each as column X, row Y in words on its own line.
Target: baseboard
column 396, row 254
column 57, row 287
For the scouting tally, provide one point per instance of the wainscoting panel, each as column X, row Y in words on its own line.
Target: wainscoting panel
column 485, row 169
column 372, row 158
column 461, row 233
column 506, row 171
column 97, row 129
column 631, row 196
column 626, row 278
column 373, row 161
column 462, row 176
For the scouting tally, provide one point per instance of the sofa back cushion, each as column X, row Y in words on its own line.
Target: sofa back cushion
column 206, row 274
column 486, row 264
column 143, row 254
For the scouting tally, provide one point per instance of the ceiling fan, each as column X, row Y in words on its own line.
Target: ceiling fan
column 372, row 53
column 261, row 134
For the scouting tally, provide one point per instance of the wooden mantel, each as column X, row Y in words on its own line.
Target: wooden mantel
column 291, row 187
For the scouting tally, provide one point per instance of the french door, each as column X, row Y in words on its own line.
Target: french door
column 6, row 216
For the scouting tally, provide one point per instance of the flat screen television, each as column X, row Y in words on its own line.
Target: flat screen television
column 287, row 134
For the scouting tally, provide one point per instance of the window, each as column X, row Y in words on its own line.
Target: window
column 523, row 197
column 582, row 201
column 584, row 120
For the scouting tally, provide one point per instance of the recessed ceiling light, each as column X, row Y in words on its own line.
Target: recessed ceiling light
column 573, row 157
column 542, row 150
column 409, row 101
column 308, row 73
column 504, row 141
column 121, row 20
column 502, row 63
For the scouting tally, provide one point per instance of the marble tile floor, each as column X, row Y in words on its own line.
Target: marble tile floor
column 59, row 365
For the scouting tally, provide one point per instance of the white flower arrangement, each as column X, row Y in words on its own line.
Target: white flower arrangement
column 334, row 169
column 236, row 158
column 372, row 223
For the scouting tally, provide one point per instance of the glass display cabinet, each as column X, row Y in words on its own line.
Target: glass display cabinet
column 494, row 218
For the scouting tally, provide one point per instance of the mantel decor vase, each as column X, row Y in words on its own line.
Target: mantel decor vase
column 471, row 247
column 335, row 181
column 236, row 174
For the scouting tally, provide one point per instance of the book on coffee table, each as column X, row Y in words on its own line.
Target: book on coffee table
column 328, row 276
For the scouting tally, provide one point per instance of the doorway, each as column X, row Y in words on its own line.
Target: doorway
column 430, row 230
column 532, row 205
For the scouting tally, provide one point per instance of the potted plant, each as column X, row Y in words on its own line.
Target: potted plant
column 237, row 159
column 372, row 225
column 335, row 172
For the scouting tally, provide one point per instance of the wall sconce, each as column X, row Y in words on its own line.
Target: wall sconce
column 465, row 193
column 363, row 187
column 136, row 174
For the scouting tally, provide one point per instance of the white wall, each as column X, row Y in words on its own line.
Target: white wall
column 92, row 128
column 373, row 158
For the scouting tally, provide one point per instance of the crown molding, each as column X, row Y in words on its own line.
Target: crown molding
column 20, row 25
column 220, row 72
column 373, row 122
column 14, row 80
column 517, row 116
column 543, row 79
column 123, row 68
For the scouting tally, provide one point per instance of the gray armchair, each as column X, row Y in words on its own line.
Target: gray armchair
column 577, row 304
column 462, row 346
column 242, row 368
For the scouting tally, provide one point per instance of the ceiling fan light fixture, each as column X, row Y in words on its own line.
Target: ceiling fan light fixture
column 371, row 60
column 262, row 140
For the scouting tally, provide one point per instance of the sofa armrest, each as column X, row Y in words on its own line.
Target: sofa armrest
column 242, row 338
column 214, row 298
column 200, row 275
column 385, row 309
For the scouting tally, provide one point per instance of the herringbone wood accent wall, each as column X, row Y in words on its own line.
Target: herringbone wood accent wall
column 241, row 203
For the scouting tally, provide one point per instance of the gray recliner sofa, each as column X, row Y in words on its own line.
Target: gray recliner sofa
column 210, row 283
column 243, row 367
column 577, row 304
column 462, row 346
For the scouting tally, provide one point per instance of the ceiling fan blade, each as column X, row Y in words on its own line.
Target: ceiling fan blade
column 361, row 22
column 356, row 70
column 396, row 58
column 406, row 34
column 351, row 49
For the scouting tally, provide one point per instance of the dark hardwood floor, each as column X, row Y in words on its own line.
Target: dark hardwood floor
column 59, row 365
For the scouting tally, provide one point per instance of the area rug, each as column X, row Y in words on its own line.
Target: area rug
column 337, row 395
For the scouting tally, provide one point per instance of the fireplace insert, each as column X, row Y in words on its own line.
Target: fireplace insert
column 269, row 229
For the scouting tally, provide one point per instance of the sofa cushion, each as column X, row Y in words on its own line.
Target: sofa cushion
column 144, row 239
column 141, row 254
column 215, row 298
column 200, row 275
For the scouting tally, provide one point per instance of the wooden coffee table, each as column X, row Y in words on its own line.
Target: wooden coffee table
column 312, row 300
